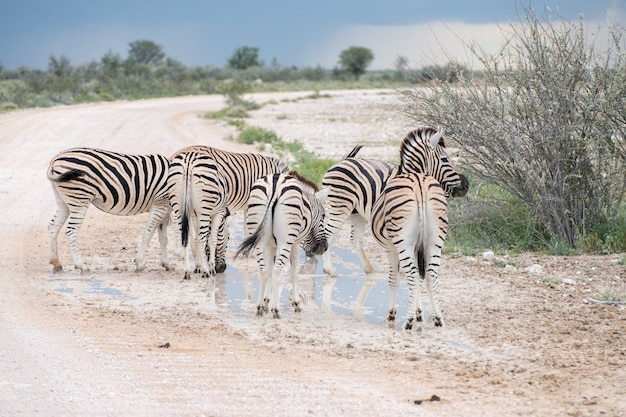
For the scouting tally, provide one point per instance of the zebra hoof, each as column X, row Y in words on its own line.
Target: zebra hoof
column 408, row 325
column 418, row 316
column 296, row 307
column 260, row 310
column 331, row 272
column 57, row 268
column 187, row 276
column 276, row 313
column 167, row 267
column 438, row 321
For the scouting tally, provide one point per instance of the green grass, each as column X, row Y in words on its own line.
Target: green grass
column 490, row 219
column 306, row 163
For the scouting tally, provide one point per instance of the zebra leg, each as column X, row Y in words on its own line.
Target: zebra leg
column 73, row 227
column 262, row 305
column 408, row 267
column 393, row 286
column 356, row 237
column 333, row 222
column 264, row 258
column 431, row 285
column 165, row 262
column 155, row 219
column 54, row 228
column 187, row 250
column 277, row 273
column 204, row 227
column 212, row 240
column 295, row 282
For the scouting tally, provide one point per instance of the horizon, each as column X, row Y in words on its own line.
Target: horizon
column 286, row 33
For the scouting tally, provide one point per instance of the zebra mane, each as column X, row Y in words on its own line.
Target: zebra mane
column 283, row 167
column 415, row 144
column 353, row 152
column 303, row 180
column 421, row 134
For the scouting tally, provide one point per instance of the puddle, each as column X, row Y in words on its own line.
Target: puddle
column 93, row 286
column 351, row 293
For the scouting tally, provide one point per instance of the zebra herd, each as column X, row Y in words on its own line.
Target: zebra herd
column 202, row 186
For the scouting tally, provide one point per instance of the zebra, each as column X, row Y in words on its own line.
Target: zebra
column 115, row 183
column 223, row 183
column 410, row 218
column 198, row 191
column 285, row 211
column 354, row 184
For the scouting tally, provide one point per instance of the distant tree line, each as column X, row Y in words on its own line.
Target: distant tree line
column 148, row 72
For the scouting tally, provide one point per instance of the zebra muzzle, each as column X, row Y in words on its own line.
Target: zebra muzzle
column 462, row 189
column 318, row 248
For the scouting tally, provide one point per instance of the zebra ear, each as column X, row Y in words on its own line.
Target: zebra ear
column 322, row 194
column 434, row 139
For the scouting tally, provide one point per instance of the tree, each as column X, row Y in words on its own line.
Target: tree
column 145, row 52
column 545, row 124
column 244, row 57
column 60, row 67
column 355, row 60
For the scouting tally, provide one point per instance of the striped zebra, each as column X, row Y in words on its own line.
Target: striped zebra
column 355, row 183
column 286, row 212
column 113, row 182
column 221, row 184
column 410, row 218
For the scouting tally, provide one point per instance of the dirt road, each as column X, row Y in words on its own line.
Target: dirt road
column 114, row 342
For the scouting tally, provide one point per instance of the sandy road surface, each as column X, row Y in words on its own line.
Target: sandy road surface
column 76, row 345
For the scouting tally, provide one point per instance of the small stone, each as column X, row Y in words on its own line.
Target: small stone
column 534, row 269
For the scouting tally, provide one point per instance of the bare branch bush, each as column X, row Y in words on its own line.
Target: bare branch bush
column 546, row 122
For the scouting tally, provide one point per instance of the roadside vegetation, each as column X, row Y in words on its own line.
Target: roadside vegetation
column 543, row 136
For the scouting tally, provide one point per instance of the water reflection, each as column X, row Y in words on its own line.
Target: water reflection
column 351, row 293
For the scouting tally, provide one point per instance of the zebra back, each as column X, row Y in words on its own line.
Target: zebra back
column 117, row 183
column 304, row 210
column 355, row 184
column 240, row 171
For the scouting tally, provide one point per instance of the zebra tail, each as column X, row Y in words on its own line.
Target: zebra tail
column 353, row 152
column 421, row 260
column 184, row 216
column 249, row 243
column 67, row 176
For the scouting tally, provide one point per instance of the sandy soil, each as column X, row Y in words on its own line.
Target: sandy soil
column 114, row 342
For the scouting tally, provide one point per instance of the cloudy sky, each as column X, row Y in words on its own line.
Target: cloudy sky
column 289, row 32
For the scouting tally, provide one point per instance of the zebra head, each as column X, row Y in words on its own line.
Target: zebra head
column 423, row 151
column 316, row 242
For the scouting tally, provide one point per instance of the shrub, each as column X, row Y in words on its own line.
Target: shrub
column 545, row 124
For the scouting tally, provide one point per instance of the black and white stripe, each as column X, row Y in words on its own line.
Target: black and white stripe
column 354, row 184
column 285, row 212
column 113, row 182
column 198, row 195
column 410, row 218
column 220, row 182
